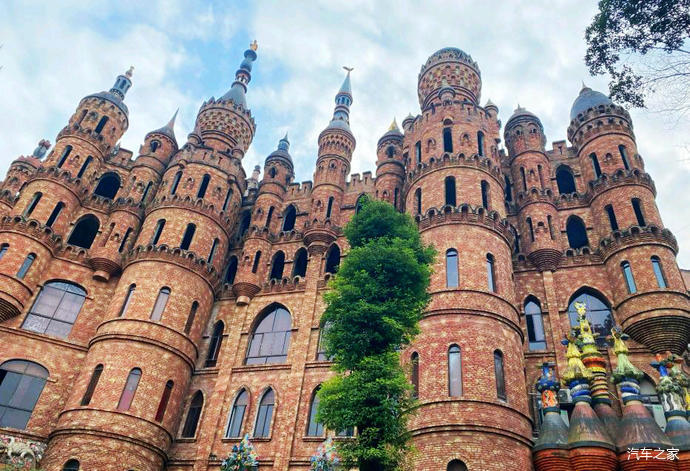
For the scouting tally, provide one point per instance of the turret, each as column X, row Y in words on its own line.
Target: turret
column 390, row 166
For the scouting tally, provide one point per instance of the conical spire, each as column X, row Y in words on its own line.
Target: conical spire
column 284, row 144
column 343, row 100
column 394, row 126
column 168, row 129
column 281, row 153
column 243, row 76
column 122, row 84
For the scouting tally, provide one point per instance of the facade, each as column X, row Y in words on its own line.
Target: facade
column 155, row 309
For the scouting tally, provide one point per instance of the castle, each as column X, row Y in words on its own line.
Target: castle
column 155, row 309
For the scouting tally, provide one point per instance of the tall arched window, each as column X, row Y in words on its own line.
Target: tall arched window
column 212, row 253
column 577, row 233
column 480, row 143
column 91, row 387
column 454, row 371
column 63, row 157
column 447, row 140
column 624, row 156
column 271, row 337
column 214, row 345
column 530, row 226
column 524, row 178
column 320, row 346
column 299, row 264
column 658, row 272
column 71, row 465
column 451, row 268
column 155, row 145
column 101, row 124
column 612, row 217
column 146, row 192
column 188, row 236
column 598, row 313
column 26, row 264
column 549, row 221
column 193, row 416
column 55, row 309
column 262, row 428
column 160, row 303
column 491, row 273
column 485, row 194
column 314, row 428
column 629, row 278
column 541, row 176
column 21, row 384
column 128, row 299
column 456, row 465
column 565, row 180
column 239, row 407
column 535, row 324
column 32, row 205
column 84, row 166
column 125, row 238
column 190, row 317
column 289, row 218
column 257, row 259
column 414, row 361
column 226, row 201
column 129, row 390
column 204, row 185
column 595, row 164
column 108, row 185
column 360, row 203
column 231, row 271
column 329, row 208
column 450, row 191
column 396, row 197
column 509, row 189
column 333, row 259
column 269, row 216
column 245, row 222
column 418, row 200
column 418, row 152
column 500, row 375
column 165, row 398
column 175, row 182
column 158, row 231
column 637, row 208
column 277, row 265
column 84, row 232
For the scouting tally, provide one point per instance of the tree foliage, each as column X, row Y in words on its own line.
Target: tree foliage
column 642, row 46
column 373, row 310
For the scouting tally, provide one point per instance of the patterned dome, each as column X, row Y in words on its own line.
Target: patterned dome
column 587, row 99
column 447, row 69
column 449, row 54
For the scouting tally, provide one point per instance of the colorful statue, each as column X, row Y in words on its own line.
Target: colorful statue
column 242, row 458
column 325, row 458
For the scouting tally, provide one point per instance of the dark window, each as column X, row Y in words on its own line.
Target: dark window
column 451, row 268
column 447, row 140
column 175, row 183
column 456, row 465
column 84, row 232
column 125, row 238
column 530, row 226
column 158, row 231
column 32, row 205
column 161, row 301
column 64, row 156
column 239, row 407
column 165, row 398
column 414, row 361
column 509, row 189
column 212, row 253
column 108, row 185
column 277, row 265
column 541, row 176
column 418, row 200
column 193, row 416
column 329, row 209
column 500, row 375
column 130, row 389
column 71, row 465
column 289, row 218
column 524, row 178
column 232, row 270
column 204, row 185
column 271, row 338
column 244, row 224
column 565, row 180
column 535, row 325
column 262, row 428
column 155, row 145
column 450, row 191
column 320, row 347
column 396, row 196
column 480, row 143
column 21, row 383
column 333, row 259
column 26, row 264
column 314, row 428
column 269, row 216
column 637, row 207
column 624, row 157
column 658, row 272
column 188, row 236
column 629, row 278
column 228, row 195
column 348, row 432
column 128, row 299
column 595, row 164
column 359, row 204
column 190, row 318
column 598, row 313
column 3, row 249
column 84, row 166
column 491, row 272
column 299, row 265
column 146, row 191
column 257, row 258
column 93, row 382
column 551, row 231
column 454, row 371
column 612, row 217
column 577, row 234
column 418, row 152
column 214, row 345
column 485, row 194
column 101, row 125
column 55, row 309
column 390, row 152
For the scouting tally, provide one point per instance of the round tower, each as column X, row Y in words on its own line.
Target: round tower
column 476, row 404
column 390, row 166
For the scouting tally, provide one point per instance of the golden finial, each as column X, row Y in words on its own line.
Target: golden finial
column 130, row 71
column 393, row 126
column 253, row 45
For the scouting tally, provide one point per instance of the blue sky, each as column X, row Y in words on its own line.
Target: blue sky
column 529, row 52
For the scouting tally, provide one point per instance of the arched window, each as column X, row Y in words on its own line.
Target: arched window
column 54, row 215
column 480, row 143
column 262, row 428
column 329, row 209
column 239, row 407
column 456, row 465
column 637, row 207
column 269, row 216
column 244, row 224
column 3, row 250
column 101, row 125
column 214, row 345
column 21, row 383
column 524, row 178
column 629, row 278
column 314, row 428
column 577, row 234
column 204, row 185
column 598, row 313
column 157, row 231
column 299, row 265
column 491, row 273
column 333, row 259
column 228, row 195
column 190, row 317
column 175, row 182
column 320, row 347
column 84, row 232
column 55, row 309
column 418, row 152
column 447, row 140
column 530, row 226
column 535, row 324
column 396, row 196
column 541, row 176
column 32, row 205
column 129, row 390
column 277, row 265
column 624, row 157
column 500, row 375
column 65, row 154
column 451, row 268
column 212, row 253
column 450, row 191
column 454, row 371
column 128, row 299
column 414, row 361
column 125, row 238
column 612, row 217
column 595, row 164
column 551, row 231
column 146, row 191
column 390, row 152
column 289, row 218
column 271, row 338
column 193, row 416
column 26, row 264
column 658, row 272
column 418, row 200
column 93, row 382
column 161, row 301
column 509, row 189
column 71, row 465
column 188, row 236
column 84, row 166
column 231, row 271
column 485, row 194
column 565, row 180
column 165, row 398
column 359, row 204
column 108, row 185
column 257, row 259
column 155, row 145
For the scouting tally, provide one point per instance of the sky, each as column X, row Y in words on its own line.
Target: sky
column 185, row 51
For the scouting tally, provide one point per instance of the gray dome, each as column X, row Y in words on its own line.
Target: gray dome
column 521, row 114
column 449, row 54
column 339, row 124
column 111, row 97
column 587, row 99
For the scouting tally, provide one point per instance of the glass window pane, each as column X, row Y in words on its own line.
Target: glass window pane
column 15, row 418
column 35, row 323
column 58, row 329
column 454, row 372
column 8, row 386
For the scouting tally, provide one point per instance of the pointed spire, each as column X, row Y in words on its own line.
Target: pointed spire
column 169, row 128
column 394, row 126
column 343, row 100
column 122, row 84
column 346, row 87
column 284, row 144
column 243, row 76
column 281, row 153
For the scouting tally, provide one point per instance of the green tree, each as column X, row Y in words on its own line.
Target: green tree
column 641, row 44
column 372, row 311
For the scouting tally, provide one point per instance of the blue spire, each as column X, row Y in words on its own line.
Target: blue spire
column 343, row 100
column 122, row 84
column 284, row 144
column 243, row 76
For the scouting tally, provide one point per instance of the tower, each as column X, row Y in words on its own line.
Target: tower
column 390, row 166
